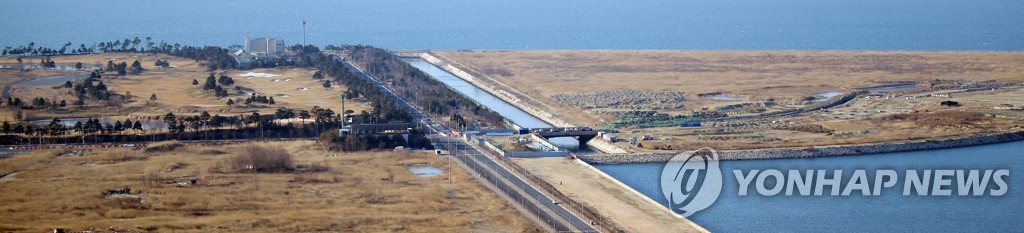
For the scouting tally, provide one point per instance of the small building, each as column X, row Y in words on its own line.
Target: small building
column 264, row 46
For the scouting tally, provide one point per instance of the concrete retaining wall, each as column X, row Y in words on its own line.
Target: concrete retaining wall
column 544, row 141
column 820, row 151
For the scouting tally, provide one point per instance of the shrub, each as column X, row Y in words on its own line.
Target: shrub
column 261, row 159
column 164, row 146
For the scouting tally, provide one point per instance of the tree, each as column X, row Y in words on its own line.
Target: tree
column 78, row 65
column 211, row 83
column 19, row 60
column 230, row 102
column 304, row 115
column 152, row 98
column 225, row 80
column 195, row 82
column 327, row 84
column 136, row 67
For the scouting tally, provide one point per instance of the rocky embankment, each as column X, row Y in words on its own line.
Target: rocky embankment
column 623, row 99
column 820, row 151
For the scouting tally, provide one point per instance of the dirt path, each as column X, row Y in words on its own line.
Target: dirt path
column 609, row 199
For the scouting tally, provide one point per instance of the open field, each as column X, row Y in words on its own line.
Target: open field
column 174, row 90
column 597, row 88
column 358, row 192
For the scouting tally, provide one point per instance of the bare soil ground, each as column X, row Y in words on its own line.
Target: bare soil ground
column 786, row 78
column 360, row 192
column 174, row 89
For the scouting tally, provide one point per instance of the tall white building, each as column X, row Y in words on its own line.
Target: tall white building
column 264, row 46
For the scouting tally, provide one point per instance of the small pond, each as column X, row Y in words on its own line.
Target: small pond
column 825, row 96
column 424, row 170
column 70, row 122
column 722, row 97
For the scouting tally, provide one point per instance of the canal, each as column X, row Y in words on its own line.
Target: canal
column 512, row 113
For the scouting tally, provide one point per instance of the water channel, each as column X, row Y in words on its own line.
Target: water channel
column 512, row 113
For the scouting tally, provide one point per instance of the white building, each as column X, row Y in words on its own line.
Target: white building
column 264, row 46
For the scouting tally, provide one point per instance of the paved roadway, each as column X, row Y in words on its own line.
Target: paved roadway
column 536, row 203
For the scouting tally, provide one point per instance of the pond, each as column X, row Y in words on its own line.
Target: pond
column 827, row 95
column 40, row 67
column 70, row 122
column 722, row 97
column 424, row 170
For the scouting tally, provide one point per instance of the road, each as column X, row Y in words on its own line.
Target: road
column 531, row 201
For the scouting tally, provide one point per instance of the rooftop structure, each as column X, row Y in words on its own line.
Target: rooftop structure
column 264, row 46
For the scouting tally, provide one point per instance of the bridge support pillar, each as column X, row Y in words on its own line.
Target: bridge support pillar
column 584, row 139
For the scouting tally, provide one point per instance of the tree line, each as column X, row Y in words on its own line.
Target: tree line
column 429, row 93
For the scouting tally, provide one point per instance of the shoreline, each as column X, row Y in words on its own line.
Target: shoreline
column 824, row 151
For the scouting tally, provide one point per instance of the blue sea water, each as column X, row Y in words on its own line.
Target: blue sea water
column 888, row 212
column 532, row 24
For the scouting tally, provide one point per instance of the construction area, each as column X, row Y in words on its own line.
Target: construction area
column 667, row 101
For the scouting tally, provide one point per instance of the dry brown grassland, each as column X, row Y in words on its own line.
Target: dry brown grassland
column 787, row 78
column 349, row 192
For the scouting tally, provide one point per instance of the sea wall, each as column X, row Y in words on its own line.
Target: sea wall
column 510, row 98
column 842, row 150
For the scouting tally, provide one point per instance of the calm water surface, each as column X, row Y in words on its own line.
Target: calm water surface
column 532, row 24
column 890, row 212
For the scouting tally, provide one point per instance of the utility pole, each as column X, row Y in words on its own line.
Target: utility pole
column 343, row 119
column 303, row 32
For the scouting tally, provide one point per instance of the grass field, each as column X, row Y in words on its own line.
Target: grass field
column 360, row 192
column 174, row 90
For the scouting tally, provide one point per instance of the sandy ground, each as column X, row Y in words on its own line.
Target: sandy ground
column 360, row 192
column 610, row 200
column 174, row 89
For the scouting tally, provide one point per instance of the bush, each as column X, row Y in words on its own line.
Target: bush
column 262, row 159
column 164, row 146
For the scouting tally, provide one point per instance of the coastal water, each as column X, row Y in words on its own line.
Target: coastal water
column 531, row 24
column 889, row 212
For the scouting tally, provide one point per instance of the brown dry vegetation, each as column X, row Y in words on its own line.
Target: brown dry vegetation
column 755, row 74
column 353, row 192
column 788, row 77
column 174, row 88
